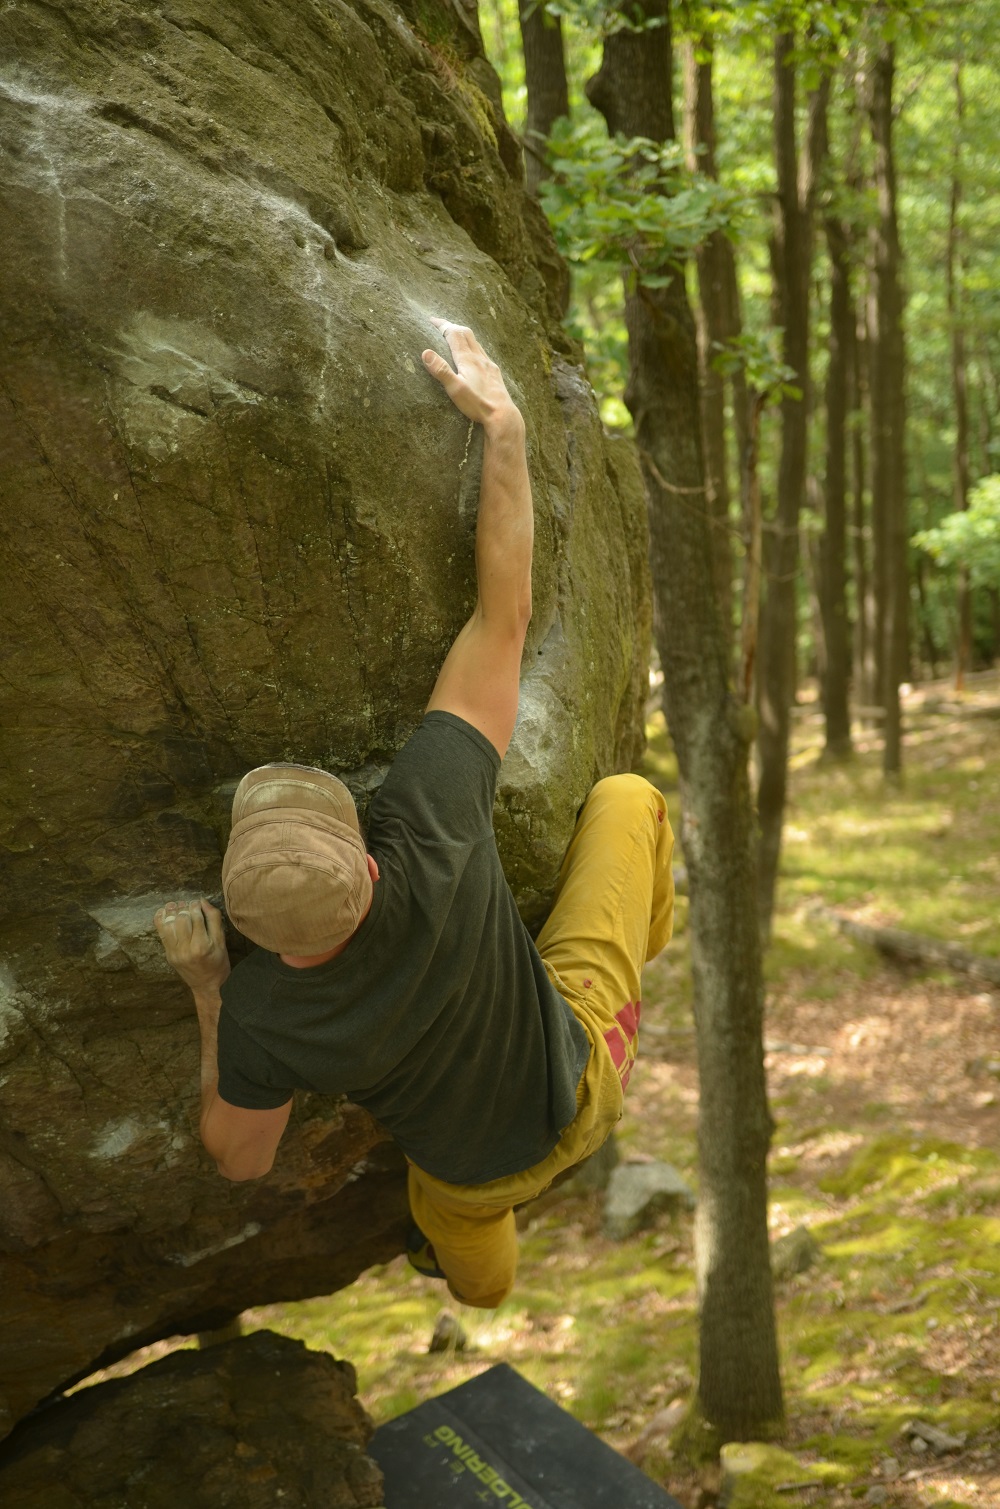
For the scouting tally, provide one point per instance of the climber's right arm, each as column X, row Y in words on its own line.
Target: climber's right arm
column 242, row 1142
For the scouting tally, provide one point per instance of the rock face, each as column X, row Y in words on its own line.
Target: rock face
column 256, row 1422
column 237, row 525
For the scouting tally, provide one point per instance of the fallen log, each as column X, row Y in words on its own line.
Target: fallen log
column 913, row 948
column 962, row 710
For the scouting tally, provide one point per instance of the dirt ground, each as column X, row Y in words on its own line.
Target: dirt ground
column 925, row 1051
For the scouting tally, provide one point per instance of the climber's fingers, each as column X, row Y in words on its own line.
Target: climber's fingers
column 475, row 386
column 194, row 942
column 212, row 921
column 173, row 922
column 459, row 337
column 445, row 374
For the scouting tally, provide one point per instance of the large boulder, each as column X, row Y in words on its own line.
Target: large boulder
column 255, row 1422
column 237, row 525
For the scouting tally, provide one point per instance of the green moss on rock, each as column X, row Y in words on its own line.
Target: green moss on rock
column 758, row 1475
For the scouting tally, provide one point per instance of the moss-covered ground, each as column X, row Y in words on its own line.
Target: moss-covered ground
column 885, row 1086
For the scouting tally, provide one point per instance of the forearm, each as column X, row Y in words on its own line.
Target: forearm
column 505, row 528
column 242, row 1142
column 208, row 1004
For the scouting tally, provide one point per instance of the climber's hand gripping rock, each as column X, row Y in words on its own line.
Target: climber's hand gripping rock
column 475, row 385
column 194, row 943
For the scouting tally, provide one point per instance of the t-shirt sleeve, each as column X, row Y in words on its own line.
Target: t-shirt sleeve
column 248, row 1076
column 443, row 782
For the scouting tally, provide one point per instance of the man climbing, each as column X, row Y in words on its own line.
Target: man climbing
column 394, row 968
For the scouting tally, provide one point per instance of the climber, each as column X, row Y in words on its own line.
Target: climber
column 394, row 968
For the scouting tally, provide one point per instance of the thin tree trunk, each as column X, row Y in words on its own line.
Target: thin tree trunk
column 776, row 660
column 739, row 1388
column 719, row 322
column 984, row 421
column 811, row 551
column 753, row 542
column 930, row 647
column 989, row 405
column 877, row 507
column 545, row 81
column 963, row 649
column 833, row 573
column 864, row 609
column 888, row 419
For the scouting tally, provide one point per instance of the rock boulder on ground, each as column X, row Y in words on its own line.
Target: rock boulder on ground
column 796, row 1252
column 636, row 1195
column 254, row 1423
column 757, row 1473
column 449, row 1334
column 237, row 525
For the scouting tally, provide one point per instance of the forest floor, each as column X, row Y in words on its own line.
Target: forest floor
column 885, row 1086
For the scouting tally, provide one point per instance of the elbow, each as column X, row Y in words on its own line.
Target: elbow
column 506, row 622
column 240, row 1172
column 524, row 608
column 235, row 1163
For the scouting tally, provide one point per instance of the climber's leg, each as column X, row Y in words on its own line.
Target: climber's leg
column 613, row 910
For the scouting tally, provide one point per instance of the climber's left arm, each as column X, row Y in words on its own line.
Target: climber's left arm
column 242, row 1142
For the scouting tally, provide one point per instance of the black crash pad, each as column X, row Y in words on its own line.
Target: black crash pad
column 499, row 1441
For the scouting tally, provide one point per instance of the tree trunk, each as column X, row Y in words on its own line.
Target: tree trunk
column 877, row 505
column 776, row 660
column 833, row 563
column 811, row 586
column 864, row 597
column 739, row 1387
column 752, row 511
column 888, row 419
column 963, row 649
column 926, row 630
column 545, row 81
column 988, row 406
column 720, row 322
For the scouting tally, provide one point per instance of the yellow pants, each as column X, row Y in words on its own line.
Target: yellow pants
column 613, row 910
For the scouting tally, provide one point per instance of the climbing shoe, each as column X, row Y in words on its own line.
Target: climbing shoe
column 420, row 1254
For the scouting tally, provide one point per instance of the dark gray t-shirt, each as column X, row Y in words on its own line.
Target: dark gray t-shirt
column 438, row 1017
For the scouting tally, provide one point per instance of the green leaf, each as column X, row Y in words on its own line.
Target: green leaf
column 969, row 537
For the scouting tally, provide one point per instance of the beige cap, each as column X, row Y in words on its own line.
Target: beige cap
column 295, row 876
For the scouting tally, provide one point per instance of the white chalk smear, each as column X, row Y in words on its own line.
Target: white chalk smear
column 10, row 1012
column 188, row 1259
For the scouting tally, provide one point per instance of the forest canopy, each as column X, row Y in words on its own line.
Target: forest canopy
column 947, row 171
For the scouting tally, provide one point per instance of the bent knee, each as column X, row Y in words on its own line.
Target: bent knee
column 630, row 790
column 488, row 1301
column 627, row 786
